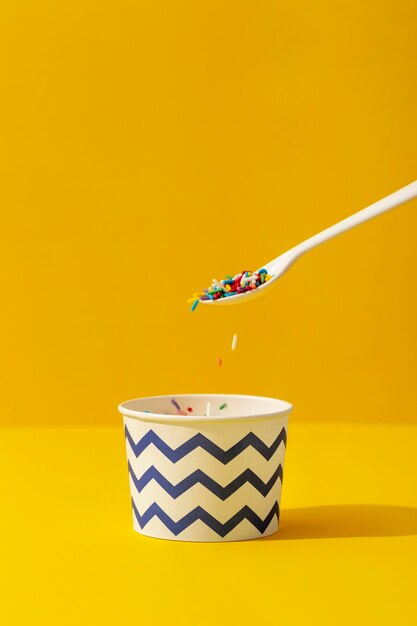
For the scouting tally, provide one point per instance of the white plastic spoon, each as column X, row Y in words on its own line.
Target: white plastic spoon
column 281, row 264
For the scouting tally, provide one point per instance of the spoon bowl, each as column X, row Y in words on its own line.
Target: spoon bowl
column 275, row 269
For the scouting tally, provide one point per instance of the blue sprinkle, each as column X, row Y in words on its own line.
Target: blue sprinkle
column 193, row 308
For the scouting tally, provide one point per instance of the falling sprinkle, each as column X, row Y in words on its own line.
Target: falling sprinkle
column 219, row 360
column 175, row 403
column 208, row 409
column 194, row 306
column 234, row 342
column 223, row 406
column 189, row 409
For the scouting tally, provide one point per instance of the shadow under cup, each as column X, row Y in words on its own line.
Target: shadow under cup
column 199, row 477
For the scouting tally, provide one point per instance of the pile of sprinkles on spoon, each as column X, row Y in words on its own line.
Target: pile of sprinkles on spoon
column 231, row 286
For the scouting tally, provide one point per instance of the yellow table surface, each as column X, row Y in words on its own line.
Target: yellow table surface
column 346, row 551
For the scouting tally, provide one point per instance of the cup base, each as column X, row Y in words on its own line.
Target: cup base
column 201, row 534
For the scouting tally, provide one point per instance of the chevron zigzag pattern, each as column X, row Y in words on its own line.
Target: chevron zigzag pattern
column 248, row 476
column 200, row 514
column 200, row 441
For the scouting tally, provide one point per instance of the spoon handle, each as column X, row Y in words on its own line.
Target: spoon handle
column 394, row 199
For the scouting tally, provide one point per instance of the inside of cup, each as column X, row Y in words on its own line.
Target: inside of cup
column 196, row 405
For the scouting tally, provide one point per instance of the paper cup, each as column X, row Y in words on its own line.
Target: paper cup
column 200, row 477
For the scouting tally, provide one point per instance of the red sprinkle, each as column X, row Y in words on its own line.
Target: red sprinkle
column 189, row 409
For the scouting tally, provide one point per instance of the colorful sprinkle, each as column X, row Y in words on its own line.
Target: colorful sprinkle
column 222, row 406
column 175, row 403
column 189, row 409
column 219, row 360
column 231, row 286
column 234, row 342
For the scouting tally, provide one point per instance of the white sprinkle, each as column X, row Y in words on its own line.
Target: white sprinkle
column 208, row 409
column 234, row 342
column 247, row 279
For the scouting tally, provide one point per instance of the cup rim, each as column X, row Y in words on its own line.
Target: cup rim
column 282, row 408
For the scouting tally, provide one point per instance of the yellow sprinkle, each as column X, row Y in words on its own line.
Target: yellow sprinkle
column 192, row 300
column 267, row 276
column 228, row 288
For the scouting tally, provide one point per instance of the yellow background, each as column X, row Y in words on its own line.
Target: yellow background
column 150, row 146
column 146, row 147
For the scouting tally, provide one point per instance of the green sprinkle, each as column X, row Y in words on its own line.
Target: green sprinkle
column 222, row 406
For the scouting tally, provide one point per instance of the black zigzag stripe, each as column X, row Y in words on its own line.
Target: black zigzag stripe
column 200, row 514
column 200, row 441
column 248, row 476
